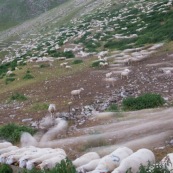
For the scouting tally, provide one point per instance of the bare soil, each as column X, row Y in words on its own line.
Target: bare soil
column 150, row 128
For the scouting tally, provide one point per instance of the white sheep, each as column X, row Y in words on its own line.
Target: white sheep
column 8, row 149
column 60, row 127
column 110, row 81
column 46, row 122
column 134, row 161
column 42, row 152
column 34, row 162
column 15, row 158
column 68, row 67
column 76, row 92
column 9, row 73
column 52, row 109
column 108, row 75
column 27, row 139
column 89, row 166
column 84, row 159
column 61, row 58
column 125, row 73
column 63, row 64
column 113, row 160
column 51, row 163
column 4, row 156
column 168, row 162
column 103, row 64
column 5, row 144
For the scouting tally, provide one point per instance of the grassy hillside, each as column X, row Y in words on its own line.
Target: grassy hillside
column 17, row 11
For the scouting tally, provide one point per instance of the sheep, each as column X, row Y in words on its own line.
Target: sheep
column 31, row 163
column 46, row 122
column 61, row 58
column 52, row 133
column 13, row 152
column 5, row 144
column 51, row 163
column 108, row 75
column 27, row 139
column 42, row 152
column 168, row 162
column 125, row 73
column 68, row 67
column 89, row 166
column 9, row 73
column 8, row 149
column 110, row 81
column 141, row 157
column 103, row 64
column 63, row 64
column 52, row 109
column 84, row 159
column 111, row 161
column 76, row 92
column 127, row 61
column 15, row 158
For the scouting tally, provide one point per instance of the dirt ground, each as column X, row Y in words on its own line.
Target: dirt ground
column 138, row 129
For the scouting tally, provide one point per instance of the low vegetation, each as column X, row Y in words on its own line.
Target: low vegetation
column 112, row 108
column 5, row 169
column 12, row 132
column 77, row 61
column 145, row 101
column 18, row 97
column 65, row 166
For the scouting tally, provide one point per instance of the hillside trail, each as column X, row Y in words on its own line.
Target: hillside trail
column 140, row 129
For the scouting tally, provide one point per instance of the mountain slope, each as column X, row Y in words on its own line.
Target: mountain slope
column 17, row 11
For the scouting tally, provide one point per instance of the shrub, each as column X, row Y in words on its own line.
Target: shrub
column 5, row 169
column 28, row 76
column 96, row 63
column 12, row 132
column 65, row 166
column 44, row 65
column 18, row 97
column 77, row 61
column 142, row 102
column 9, row 79
column 112, row 108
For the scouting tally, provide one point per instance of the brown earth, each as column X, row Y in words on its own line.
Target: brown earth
column 147, row 129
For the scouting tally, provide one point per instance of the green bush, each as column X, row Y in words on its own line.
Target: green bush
column 28, row 76
column 112, row 108
column 96, row 63
column 9, row 80
column 143, row 102
column 5, row 169
column 18, row 97
column 44, row 65
column 77, row 61
column 12, row 132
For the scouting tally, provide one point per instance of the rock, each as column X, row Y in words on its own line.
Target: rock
column 27, row 119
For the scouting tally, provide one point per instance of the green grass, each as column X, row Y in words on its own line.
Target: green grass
column 4, row 168
column 144, row 101
column 112, row 108
column 39, row 106
column 12, row 132
column 19, row 97
column 77, row 61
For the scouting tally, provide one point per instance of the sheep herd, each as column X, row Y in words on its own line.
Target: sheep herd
column 119, row 161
